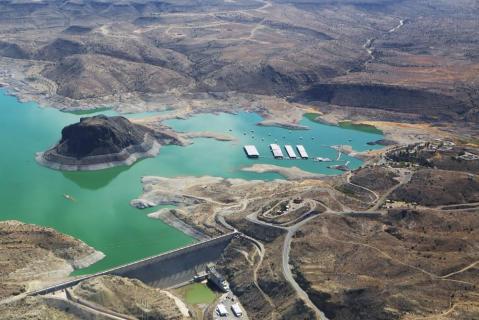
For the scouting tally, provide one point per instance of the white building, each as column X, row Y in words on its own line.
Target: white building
column 290, row 151
column 251, row 151
column 276, row 150
column 302, row 152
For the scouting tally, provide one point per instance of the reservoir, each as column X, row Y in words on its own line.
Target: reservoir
column 99, row 213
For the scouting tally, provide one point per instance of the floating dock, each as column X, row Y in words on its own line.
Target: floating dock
column 276, row 150
column 302, row 152
column 290, row 151
column 251, row 151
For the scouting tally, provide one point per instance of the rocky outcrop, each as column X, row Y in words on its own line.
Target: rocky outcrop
column 387, row 97
column 100, row 142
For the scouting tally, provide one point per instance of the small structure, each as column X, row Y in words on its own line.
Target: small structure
column 251, row 151
column 217, row 279
column 221, row 310
column 302, row 152
column 276, row 150
column 236, row 310
column 290, row 151
column 200, row 277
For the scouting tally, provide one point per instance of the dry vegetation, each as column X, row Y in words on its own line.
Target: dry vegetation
column 406, row 264
column 33, row 256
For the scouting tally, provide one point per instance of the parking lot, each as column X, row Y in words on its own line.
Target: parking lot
column 228, row 300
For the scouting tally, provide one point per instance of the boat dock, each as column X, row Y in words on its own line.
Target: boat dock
column 290, row 151
column 276, row 150
column 302, row 152
column 251, row 151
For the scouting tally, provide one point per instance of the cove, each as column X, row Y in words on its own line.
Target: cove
column 101, row 215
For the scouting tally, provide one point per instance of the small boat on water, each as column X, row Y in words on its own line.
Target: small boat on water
column 319, row 159
column 68, row 197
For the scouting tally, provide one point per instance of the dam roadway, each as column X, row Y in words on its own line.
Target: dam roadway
column 164, row 270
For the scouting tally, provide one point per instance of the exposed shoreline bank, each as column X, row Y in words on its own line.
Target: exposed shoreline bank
column 83, row 165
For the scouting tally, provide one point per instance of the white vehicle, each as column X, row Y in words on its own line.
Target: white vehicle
column 221, row 310
column 236, row 310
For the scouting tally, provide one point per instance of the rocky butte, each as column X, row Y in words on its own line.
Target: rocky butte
column 100, row 142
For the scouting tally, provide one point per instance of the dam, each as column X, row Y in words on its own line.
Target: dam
column 164, row 270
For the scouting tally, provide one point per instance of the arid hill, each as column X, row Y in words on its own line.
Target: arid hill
column 432, row 187
column 130, row 297
column 407, row 264
column 409, row 56
column 33, row 255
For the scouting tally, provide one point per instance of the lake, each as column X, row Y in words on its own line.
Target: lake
column 100, row 214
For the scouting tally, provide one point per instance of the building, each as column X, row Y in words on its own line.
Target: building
column 251, row 151
column 217, row 279
column 276, row 150
column 236, row 310
column 302, row 152
column 290, row 151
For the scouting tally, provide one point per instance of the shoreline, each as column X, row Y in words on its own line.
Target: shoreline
column 167, row 216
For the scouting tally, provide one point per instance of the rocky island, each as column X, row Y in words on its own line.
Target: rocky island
column 100, row 142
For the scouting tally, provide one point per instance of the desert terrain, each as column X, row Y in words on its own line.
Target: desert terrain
column 394, row 239
column 359, row 60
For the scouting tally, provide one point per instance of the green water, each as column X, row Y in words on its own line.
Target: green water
column 198, row 293
column 101, row 215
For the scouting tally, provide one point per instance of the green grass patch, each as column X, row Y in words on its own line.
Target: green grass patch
column 197, row 293
column 359, row 127
column 89, row 111
column 312, row 116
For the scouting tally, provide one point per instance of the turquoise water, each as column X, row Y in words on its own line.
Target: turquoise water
column 101, row 215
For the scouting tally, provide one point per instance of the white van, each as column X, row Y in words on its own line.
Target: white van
column 221, row 310
column 236, row 310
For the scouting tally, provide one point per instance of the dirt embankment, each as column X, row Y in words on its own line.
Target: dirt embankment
column 258, row 280
column 35, row 308
column 131, row 297
column 33, row 256
column 378, row 179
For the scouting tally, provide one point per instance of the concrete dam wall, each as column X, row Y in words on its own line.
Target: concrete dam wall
column 177, row 266
column 164, row 270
